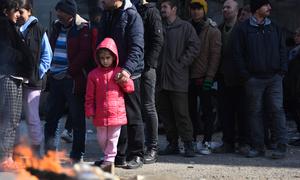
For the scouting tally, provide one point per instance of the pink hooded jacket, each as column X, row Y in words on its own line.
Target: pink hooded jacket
column 104, row 99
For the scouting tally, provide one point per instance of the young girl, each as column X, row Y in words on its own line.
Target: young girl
column 104, row 100
column 37, row 40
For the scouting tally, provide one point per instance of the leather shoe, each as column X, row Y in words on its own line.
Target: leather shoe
column 150, row 156
column 120, row 162
column 134, row 163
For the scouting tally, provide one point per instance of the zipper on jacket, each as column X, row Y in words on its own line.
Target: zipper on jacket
column 106, row 87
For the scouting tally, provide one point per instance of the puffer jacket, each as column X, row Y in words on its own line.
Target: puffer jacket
column 104, row 99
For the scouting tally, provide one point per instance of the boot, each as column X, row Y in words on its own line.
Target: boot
column 188, row 149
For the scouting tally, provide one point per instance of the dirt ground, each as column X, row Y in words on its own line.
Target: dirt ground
column 213, row 166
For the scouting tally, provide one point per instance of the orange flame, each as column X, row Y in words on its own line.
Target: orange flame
column 25, row 158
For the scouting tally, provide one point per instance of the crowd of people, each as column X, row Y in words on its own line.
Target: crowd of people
column 136, row 64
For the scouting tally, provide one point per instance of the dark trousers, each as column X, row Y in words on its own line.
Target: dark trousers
column 174, row 113
column 132, row 135
column 232, row 114
column 149, row 113
column 61, row 92
column 10, row 113
column 268, row 92
column 206, row 106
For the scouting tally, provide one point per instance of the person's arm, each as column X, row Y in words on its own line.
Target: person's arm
column 46, row 56
column 215, row 45
column 90, row 97
column 84, row 53
column 135, row 42
column 192, row 47
column 239, row 53
column 156, row 40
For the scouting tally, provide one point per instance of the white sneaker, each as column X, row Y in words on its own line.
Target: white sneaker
column 67, row 136
column 205, row 149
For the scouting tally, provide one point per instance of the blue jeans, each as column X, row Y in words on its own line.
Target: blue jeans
column 265, row 92
column 61, row 92
column 149, row 113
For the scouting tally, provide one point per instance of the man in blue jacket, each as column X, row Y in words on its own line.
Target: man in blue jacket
column 260, row 56
column 122, row 22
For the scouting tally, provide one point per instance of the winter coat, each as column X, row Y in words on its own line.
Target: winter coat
column 125, row 26
column 15, row 57
column 104, row 99
column 206, row 63
column 36, row 39
column 79, row 51
column 153, row 33
column 181, row 47
column 259, row 50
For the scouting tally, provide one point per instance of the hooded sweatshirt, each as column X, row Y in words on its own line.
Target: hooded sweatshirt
column 104, row 99
column 36, row 38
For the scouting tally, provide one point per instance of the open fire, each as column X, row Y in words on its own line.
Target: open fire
column 27, row 166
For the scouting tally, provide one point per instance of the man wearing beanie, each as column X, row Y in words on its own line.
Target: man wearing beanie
column 71, row 46
column 260, row 56
column 203, row 70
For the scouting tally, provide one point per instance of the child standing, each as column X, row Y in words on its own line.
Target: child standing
column 104, row 100
column 36, row 38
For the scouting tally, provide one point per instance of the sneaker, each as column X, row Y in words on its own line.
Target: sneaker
column 67, row 136
column 253, row 153
column 279, row 152
column 206, row 149
column 225, row 148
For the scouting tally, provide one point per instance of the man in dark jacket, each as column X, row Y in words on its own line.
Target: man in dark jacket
column 122, row 22
column 260, row 56
column 181, row 46
column 153, row 43
column 71, row 45
column 230, row 96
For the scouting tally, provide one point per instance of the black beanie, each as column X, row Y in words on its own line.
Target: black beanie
column 256, row 4
column 67, row 6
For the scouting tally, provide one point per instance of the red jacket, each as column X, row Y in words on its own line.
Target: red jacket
column 79, row 51
column 104, row 99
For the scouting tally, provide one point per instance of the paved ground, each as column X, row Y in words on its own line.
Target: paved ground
column 230, row 166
